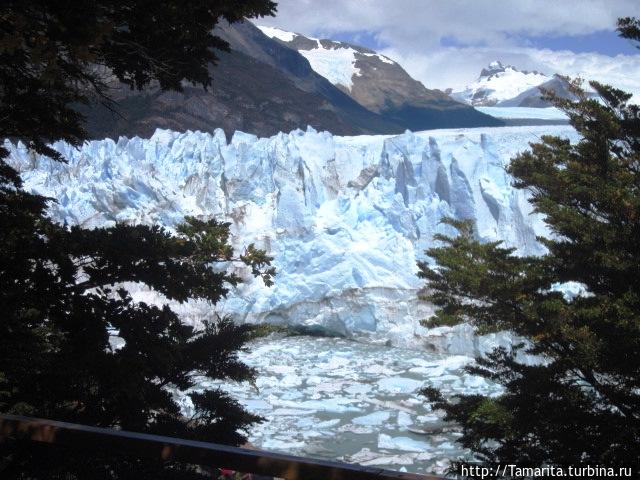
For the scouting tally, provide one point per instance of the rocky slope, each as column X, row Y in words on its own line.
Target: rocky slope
column 260, row 87
column 380, row 84
column 264, row 87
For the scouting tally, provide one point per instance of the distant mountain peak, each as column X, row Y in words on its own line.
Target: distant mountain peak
column 499, row 82
column 376, row 82
column 492, row 69
column 496, row 67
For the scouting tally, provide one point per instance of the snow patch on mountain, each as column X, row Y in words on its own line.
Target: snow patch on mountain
column 273, row 32
column 338, row 65
column 498, row 83
column 336, row 62
column 381, row 57
column 345, row 218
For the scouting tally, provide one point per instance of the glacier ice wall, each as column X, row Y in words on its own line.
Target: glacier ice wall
column 345, row 217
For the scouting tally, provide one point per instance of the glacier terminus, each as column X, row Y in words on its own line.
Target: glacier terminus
column 345, row 218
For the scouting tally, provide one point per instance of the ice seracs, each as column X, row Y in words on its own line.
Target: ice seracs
column 345, row 218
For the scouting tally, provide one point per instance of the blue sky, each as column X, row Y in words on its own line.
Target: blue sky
column 606, row 42
column 445, row 43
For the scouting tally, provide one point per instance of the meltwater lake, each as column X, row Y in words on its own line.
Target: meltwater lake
column 340, row 399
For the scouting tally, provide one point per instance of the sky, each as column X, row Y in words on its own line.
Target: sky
column 445, row 43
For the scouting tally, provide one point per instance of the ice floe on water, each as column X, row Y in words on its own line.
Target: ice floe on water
column 340, row 399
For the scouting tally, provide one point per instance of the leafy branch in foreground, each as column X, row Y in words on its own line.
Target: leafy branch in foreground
column 74, row 343
column 76, row 346
column 580, row 403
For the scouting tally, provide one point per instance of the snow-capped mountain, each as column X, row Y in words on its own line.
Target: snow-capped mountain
column 336, row 61
column 498, row 83
column 260, row 87
column 379, row 84
column 263, row 87
column 345, row 217
column 533, row 97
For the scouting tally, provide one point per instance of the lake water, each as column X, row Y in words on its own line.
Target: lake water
column 338, row 399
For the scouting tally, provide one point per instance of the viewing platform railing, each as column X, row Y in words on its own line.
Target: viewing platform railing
column 142, row 445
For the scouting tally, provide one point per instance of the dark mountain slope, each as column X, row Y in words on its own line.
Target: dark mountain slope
column 263, row 87
column 383, row 86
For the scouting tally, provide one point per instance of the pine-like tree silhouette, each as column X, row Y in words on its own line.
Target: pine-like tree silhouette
column 580, row 404
column 62, row 300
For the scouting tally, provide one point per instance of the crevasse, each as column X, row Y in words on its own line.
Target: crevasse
column 346, row 218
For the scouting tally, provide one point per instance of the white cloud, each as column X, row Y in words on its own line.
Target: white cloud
column 413, row 24
column 413, row 30
column 457, row 67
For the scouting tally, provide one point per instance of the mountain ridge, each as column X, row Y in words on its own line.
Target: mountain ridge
column 379, row 83
column 501, row 85
column 262, row 87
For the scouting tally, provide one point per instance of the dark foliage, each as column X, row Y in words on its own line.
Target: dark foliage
column 580, row 404
column 57, row 55
column 74, row 345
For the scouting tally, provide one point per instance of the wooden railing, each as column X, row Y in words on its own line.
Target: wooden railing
column 142, row 445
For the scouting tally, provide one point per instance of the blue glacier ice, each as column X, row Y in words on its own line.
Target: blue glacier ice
column 346, row 218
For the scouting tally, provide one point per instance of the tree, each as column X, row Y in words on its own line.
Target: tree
column 62, row 298
column 55, row 56
column 580, row 403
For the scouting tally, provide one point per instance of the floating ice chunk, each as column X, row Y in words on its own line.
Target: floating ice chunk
column 337, row 405
column 313, row 380
column 329, row 387
column 404, row 420
column 289, row 412
column 571, row 290
column 447, row 446
column 456, row 362
column 334, row 363
column 290, row 380
column 284, row 444
column 399, row 384
column 357, row 429
column 375, row 418
column 473, row 381
column 428, row 418
column 256, row 404
column 426, row 371
column 281, row 369
column 358, row 389
column 404, row 444
column 363, row 455
column 379, row 370
column 328, row 423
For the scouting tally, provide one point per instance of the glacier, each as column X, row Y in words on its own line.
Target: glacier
column 345, row 218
